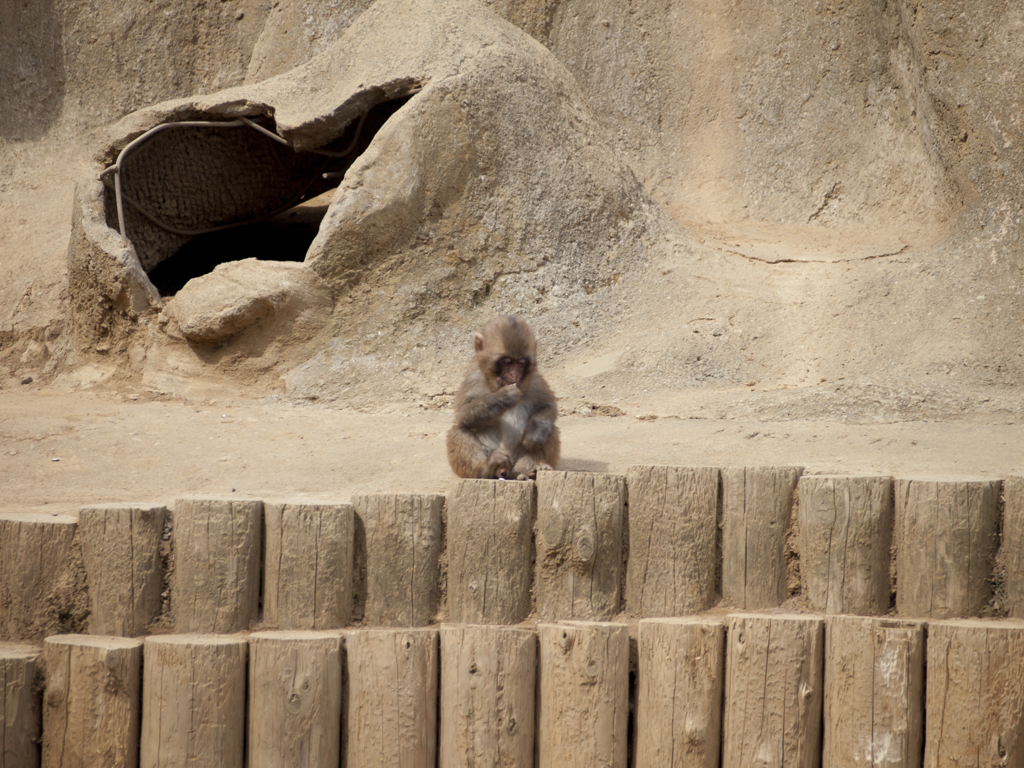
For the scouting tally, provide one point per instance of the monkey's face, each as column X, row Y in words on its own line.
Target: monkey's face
column 511, row 370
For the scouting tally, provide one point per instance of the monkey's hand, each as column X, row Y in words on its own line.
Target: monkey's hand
column 508, row 396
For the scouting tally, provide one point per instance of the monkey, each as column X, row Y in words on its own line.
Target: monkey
column 504, row 411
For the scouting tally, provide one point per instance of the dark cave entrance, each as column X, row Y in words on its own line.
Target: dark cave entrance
column 200, row 194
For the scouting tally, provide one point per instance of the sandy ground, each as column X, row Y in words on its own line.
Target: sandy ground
column 61, row 449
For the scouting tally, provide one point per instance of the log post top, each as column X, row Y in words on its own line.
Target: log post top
column 949, row 479
column 504, row 629
column 495, row 488
column 93, row 641
column 142, row 506
column 39, row 518
column 811, row 476
column 805, row 617
column 1008, row 625
column 296, row 635
column 685, row 621
column 12, row 650
column 195, row 638
column 233, row 501
column 877, row 622
column 305, row 503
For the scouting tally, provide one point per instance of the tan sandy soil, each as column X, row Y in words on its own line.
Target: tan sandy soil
column 60, row 449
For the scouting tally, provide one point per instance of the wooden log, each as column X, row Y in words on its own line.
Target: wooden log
column 91, row 708
column 673, row 540
column 584, row 695
column 845, row 538
column 401, row 549
column 193, row 701
column 294, row 699
column 390, row 712
column 945, row 546
column 20, row 705
column 773, row 690
column 39, row 586
column 217, row 547
column 874, row 693
column 490, row 551
column 1011, row 552
column 579, row 544
column 679, row 698
column 757, row 505
column 488, row 689
column 974, row 710
column 307, row 579
column 121, row 552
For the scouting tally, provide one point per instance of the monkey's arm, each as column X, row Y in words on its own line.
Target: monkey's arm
column 541, row 425
column 540, row 428
column 477, row 406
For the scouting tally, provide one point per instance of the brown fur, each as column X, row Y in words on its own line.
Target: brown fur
column 504, row 430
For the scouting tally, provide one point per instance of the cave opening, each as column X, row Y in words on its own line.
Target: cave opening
column 203, row 193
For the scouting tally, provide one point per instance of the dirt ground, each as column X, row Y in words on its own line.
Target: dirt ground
column 61, row 449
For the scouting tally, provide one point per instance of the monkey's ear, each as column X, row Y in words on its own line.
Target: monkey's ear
column 478, row 342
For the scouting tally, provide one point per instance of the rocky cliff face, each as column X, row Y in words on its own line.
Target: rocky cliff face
column 827, row 196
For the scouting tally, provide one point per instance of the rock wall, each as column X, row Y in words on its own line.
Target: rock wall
column 811, row 133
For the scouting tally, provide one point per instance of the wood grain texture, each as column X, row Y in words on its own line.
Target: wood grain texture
column 121, row 552
column 307, row 575
column 294, row 699
column 757, row 505
column 490, row 551
column 773, row 690
column 584, row 695
column 845, row 539
column 673, row 540
column 92, row 703
column 679, row 698
column 488, row 693
column 21, row 718
column 193, row 701
column 874, row 693
column 217, row 548
column 1012, row 547
column 391, row 693
column 579, row 544
column 34, row 550
column 946, row 536
column 974, row 710
column 399, row 541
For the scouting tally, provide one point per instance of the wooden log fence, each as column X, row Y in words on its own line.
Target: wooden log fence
column 121, row 552
column 845, row 538
column 490, row 551
column 679, row 700
column 673, row 540
column 579, row 545
column 874, row 692
column 697, row 690
column 488, row 692
column 773, row 690
column 946, row 538
column 91, row 706
column 193, row 701
column 20, row 705
column 398, row 544
column 294, row 699
column 583, row 702
column 307, row 578
column 756, row 515
column 217, row 546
